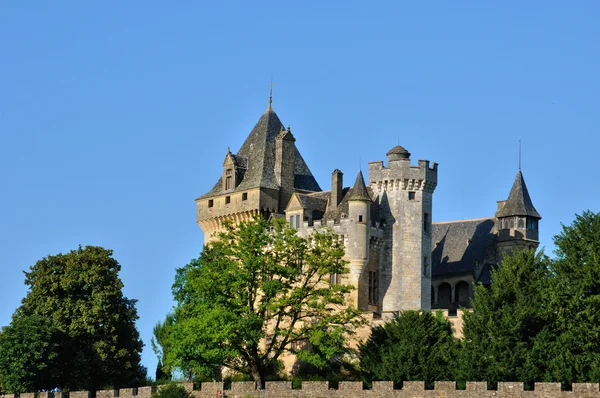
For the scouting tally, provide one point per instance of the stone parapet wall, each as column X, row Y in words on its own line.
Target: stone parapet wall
column 322, row 389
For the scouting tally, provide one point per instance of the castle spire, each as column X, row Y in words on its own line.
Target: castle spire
column 269, row 108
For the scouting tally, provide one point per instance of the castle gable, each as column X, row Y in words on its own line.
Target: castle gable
column 308, row 202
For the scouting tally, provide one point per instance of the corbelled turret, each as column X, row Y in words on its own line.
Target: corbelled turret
column 517, row 219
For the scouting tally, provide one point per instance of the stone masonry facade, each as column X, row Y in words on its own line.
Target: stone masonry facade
column 348, row 389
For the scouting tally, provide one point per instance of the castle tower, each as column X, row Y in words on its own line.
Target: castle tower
column 517, row 220
column 405, row 195
column 359, row 207
column 357, row 250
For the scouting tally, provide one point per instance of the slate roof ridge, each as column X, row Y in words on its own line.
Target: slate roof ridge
column 465, row 220
column 519, row 202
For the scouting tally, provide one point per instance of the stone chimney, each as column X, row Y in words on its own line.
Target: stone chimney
column 337, row 185
column 285, row 156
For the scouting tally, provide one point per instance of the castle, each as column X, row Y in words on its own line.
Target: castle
column 398, row 258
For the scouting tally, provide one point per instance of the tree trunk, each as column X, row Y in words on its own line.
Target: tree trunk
column 258, row 376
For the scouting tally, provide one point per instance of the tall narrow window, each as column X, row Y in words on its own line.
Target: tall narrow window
column 426, row 222
column 360, row 218
column 373, row 288
column 228, row 179
column 291, row 221
column 297, row 221
column 425, row 266
column 245, row 196
column 211, row 202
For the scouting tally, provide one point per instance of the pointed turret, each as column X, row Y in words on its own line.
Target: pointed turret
column 357, row 249
column 518, row 202
column 518, row 220
column 359, row 190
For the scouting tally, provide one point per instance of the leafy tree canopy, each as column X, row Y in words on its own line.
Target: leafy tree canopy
column 412, row 346
column 81, row 324
column 258, row 292
column 28, row 354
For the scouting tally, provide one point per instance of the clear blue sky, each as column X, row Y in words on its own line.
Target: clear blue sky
column 114, row 117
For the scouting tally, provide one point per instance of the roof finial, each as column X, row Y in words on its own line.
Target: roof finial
column 519, row 154
column 271, row 94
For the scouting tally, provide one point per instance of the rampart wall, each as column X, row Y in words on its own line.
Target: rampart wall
column 322, row 389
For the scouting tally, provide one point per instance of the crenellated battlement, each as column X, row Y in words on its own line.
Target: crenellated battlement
column 315, row 389
column 400, row 175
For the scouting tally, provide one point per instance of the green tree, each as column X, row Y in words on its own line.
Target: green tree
column 510, row 323
column 76, row 300
column 412, row 346
column 28, row 353
column 160, row 344
column 574, row 351
column 253, row 294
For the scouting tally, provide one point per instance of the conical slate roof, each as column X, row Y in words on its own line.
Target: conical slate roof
column 359, row 190
column 258, row 153
column 518, row 202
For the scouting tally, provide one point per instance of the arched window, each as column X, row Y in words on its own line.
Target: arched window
column 521, row 223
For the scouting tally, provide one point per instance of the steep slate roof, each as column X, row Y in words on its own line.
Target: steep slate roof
column 518, row 202
column 359, row 191
column 312, row 202
column 459, row 245
column 258, row 152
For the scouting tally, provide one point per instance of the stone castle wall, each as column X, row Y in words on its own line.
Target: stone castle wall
column 317, row 389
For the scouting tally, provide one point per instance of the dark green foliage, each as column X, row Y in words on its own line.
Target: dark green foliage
column 500, row 334
column 412, row 346
column 574, row 350
column 172, row 390
column 540, row 320
column 259, row 282
column 160, row 345
column 28, row 354
column 80, row 324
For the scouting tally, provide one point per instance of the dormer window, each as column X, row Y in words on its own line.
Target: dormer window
column 228, row 179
